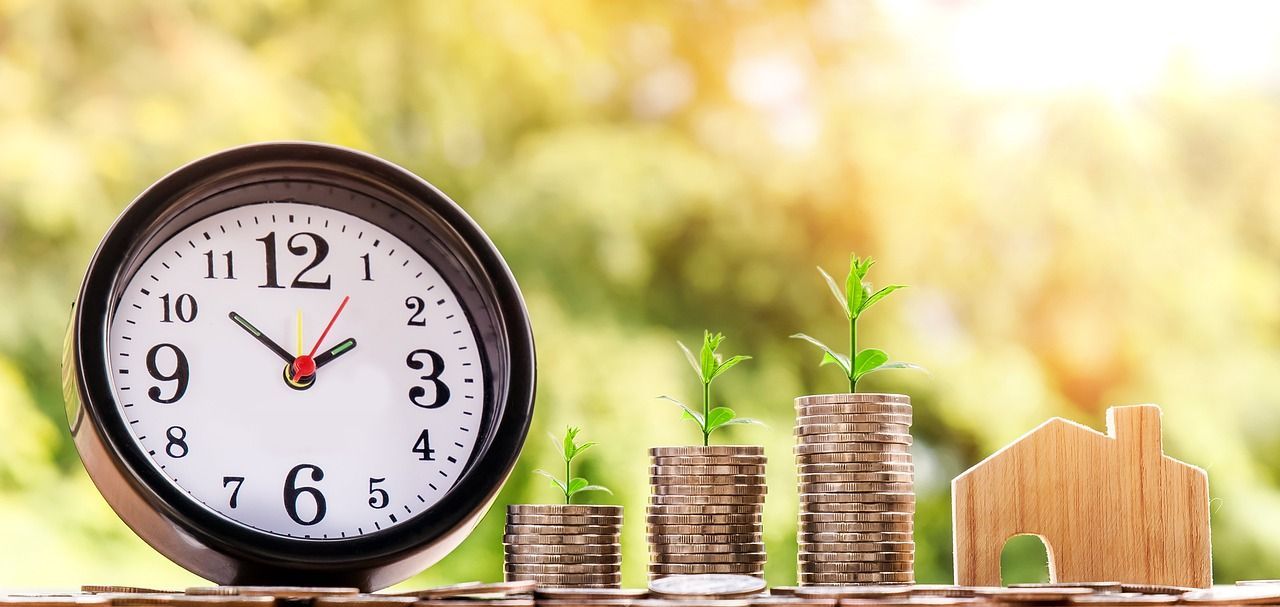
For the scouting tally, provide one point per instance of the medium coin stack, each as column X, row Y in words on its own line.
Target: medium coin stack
column 705, row 510
column 856, row 489
column 563, row 545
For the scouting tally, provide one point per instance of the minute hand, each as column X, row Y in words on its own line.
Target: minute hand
column 327, row 356
column 260, row 336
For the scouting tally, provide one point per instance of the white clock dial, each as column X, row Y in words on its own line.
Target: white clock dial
column 202, row 350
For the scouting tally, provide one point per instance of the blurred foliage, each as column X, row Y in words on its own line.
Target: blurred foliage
column 651, row 169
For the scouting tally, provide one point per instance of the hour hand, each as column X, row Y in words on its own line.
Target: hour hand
column 327, row 356
column 266, row 341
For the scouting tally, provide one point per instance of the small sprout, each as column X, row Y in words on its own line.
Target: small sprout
column 569, row 449
column 854, row 299
column 709, row 365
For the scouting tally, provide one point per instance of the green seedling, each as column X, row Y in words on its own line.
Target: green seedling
column 709, row 365
column 854, row 299
column 569, row 449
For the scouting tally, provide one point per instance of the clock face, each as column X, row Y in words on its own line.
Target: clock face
column 297, row 369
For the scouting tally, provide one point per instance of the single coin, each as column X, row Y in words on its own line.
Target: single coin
column 63, row 600
column 858, row 397
column 279, row 592
column 854, row 418
column 853, row 428
column 703, row 509
column 1031, row 595
column 743, row 547
column 704, row 538
column 812, row 527
column 528, row 539
column 102, row 589
column 565, row 509
column 703, row 470
column 590, row 594
column 779, row 600
column 569, row 578
column 856, row 457
column 561, row 530
column 950, row 591
column 1122, row 599
column 856, row 477
column 559, row 568
column 1257, row 582
column 704, row 450
column 470, row 602
column 852, row 409
column 706, row 586
column 847, row 467
column 834, row 537
column 708, row 479
column 709, row 489
column 855, row 517
column 863, row 567
column 686, row 602
column 242, row 601
column 1154, row 588
column 719, row 460
column 876, row 447
column 852, row 592
column 563, row 559
column 665, row 569
column 359, row 600
column 1259, row 594
column 703, row 557
column 857, row 546
column 884, row 577
column 565, row 520
column 906, row 507
column 856, row 557
column 697, row 500
column 900, row 494
column 1094, row 586
column 854, row 437
column 563, row 548
column 668, row 529
column 858, row 487
column 704, row 519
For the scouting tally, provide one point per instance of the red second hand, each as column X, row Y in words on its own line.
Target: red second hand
column 306, row 365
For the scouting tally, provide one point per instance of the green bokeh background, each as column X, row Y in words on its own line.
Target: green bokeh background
column 651, row 169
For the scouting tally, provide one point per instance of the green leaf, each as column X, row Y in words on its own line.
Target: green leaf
column 570, row 432
column 868, row 360
column 693, row 362
column 580, row 448
column 576, row 485
column 835, row 290
column 594, row 488
column 719, row 416
column 559, row 483
column 853, row 287
column 726, row 365
column 829, row 356
column 709, row 360
column 745, row 420
column 899, row 365
column 878, row 295
column 694, row 415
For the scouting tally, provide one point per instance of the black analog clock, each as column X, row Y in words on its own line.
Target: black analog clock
column 293, row 363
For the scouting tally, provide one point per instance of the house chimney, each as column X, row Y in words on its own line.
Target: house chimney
column 1138, row 424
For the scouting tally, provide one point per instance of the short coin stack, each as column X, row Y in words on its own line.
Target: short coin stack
column 856, row 489
column 562, row 545
column 705, row 510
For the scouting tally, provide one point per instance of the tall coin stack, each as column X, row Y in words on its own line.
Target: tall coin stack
column 563, row 545
column 856, row 489
column 705, row 510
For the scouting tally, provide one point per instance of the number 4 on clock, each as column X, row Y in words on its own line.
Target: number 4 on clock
column 423, row 448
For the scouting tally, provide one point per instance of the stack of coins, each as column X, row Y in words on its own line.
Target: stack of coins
column 856, row 489
column 705, row 510
column 561, row 545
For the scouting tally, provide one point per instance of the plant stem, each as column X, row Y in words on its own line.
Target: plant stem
column 706, row 410
column 568, row 497
column 853, row 353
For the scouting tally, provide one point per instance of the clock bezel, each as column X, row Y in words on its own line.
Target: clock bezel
column 187, row 531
